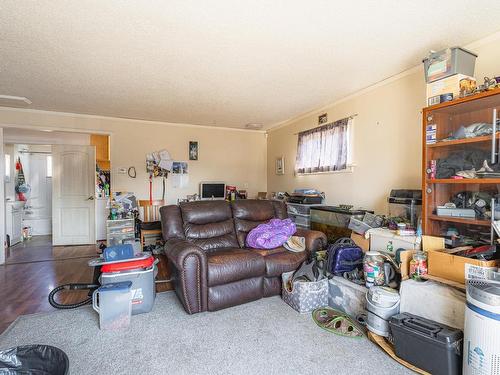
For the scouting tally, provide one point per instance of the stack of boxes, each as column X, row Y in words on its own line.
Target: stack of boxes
column 449, row 74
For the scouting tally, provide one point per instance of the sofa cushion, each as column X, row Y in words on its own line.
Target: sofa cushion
column 171, row 222
column 205, row 212
column 280, row 260
column 209, row 224
column 248, row 213
column 233, row 264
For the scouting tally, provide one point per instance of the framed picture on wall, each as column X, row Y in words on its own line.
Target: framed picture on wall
column 193, row 150
column 280, row 165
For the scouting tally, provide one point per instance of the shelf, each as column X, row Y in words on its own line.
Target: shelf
column 464, row 181
column 444, row 281
column 484, row 138
column 469, row 104
column 460, row 220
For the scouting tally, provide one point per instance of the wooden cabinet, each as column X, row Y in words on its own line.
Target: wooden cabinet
column 102, row 154
column 459, row 135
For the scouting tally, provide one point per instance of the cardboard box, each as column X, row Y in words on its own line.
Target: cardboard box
column 361, row 241
column 448, row 85
column 452, row 267
column 405, row 258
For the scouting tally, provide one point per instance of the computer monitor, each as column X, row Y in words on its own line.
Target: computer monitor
column 212, row 190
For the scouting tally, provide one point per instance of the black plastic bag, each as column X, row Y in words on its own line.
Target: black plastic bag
column 34, row 360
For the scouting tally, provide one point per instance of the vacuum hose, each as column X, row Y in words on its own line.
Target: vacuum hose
column 57, row 305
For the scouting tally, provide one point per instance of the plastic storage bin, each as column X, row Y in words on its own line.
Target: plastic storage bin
column 450, row 61
column 430, row 346
column 114, row 306
column 406, row 204
column 334, row 220
column 141, row 273
column 346, row 296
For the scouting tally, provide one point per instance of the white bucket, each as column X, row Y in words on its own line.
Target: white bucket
column 381, row 304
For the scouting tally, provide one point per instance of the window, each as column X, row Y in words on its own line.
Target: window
column 7, row 167
column 49, row 165
column 326, row 148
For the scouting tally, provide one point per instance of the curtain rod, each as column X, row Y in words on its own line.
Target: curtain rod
column 35, row 152
column 349, row 117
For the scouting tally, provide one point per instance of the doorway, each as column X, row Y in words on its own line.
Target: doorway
column 52, row 199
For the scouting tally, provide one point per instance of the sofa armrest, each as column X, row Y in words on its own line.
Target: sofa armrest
column 315, row 240
column 189, row 270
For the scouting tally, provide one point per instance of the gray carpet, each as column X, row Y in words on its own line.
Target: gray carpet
column 262, row 337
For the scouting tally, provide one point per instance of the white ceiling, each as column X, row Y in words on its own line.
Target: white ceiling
column 222, row 63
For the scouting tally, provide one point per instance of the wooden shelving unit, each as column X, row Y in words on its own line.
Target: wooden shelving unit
column 448, row 118
column 464, row 181
column 484, row 138
column 460, row 220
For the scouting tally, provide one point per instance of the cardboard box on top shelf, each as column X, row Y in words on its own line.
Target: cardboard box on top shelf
column 448, row 85
column 361, row 241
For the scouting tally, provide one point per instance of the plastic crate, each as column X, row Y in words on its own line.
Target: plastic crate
column 450, row 61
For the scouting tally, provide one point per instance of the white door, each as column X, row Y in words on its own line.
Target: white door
column 73, row 189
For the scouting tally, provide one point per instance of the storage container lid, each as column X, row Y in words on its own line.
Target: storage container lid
column 383, row 296
column 121, row 286
column 342, row 210
column 131, row 265
column 485, row 291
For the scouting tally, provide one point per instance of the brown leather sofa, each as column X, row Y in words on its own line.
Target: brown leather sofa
column 211, row 267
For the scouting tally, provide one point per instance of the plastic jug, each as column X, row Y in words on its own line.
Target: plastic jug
column 115, row 305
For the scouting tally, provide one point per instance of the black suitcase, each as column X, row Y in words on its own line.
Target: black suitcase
column 428, row 345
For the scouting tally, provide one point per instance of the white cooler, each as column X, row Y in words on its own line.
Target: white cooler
column 380, row 238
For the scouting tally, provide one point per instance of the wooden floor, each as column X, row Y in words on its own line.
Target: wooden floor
column 39, row 248
column 35, row 268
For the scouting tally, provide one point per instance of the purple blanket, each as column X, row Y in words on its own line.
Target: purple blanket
column 271, row 235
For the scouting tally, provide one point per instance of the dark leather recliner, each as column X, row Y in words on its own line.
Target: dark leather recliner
column 211, row 266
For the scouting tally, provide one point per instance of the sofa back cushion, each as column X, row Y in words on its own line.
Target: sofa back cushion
column 248, row 213
column 208, row 224
column 171, row 222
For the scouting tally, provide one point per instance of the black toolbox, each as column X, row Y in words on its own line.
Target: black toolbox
column 428, row 345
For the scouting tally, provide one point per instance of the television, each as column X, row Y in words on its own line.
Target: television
column 212, row 190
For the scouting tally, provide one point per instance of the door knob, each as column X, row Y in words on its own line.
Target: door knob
column 91, row 198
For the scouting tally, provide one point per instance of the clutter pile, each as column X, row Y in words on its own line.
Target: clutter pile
column 123, row 285
column 374, row 283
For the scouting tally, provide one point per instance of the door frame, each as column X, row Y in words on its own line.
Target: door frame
column 40, row 128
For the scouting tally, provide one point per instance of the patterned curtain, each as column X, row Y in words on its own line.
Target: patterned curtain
column 323, row 149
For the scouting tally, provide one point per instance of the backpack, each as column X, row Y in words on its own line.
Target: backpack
column 344, row 256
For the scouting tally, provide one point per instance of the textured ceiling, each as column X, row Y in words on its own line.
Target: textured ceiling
column 222, row 63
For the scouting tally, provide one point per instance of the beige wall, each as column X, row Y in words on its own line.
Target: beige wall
column 387, row 139
column 236, row 157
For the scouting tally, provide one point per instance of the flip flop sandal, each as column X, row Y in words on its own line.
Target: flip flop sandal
column 337, row 322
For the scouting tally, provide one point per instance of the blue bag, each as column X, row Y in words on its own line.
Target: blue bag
column 118, row 252
column 344, row 256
